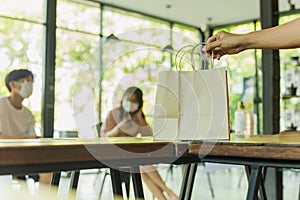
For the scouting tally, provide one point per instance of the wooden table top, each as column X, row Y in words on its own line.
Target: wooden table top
column 47, row 154
column 283, row 146
column 74, row 141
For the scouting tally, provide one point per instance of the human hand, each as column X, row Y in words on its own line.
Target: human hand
column 223, row 43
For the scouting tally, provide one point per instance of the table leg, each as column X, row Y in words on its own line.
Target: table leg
column 55, row 178
column 188, row 181
column 262, row 190
column 125, row 179
column 254, row 182
column 116, row 183
column 137, row 182
column 75, row 179
column 186, row 174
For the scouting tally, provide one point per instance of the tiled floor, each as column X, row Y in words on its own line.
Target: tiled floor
column 228, row 183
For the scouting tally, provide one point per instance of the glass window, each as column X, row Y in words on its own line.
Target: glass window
column 286, row 55
column 135, row 67
column 191, row 35
column 183, row 37
column 21, row 47
column 76, row 77
column 135, row 27
column 77, row 66
column 290, row 76
column 134, row 59
column 29, row 9
column 79, row 15
column 241, row 68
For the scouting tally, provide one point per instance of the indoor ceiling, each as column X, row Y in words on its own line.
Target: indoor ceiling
column 200, row 13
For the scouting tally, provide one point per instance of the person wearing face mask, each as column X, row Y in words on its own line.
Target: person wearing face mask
column 128, row 120
column 17, row 121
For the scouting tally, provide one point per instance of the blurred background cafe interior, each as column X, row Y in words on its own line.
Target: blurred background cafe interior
column 85, row 53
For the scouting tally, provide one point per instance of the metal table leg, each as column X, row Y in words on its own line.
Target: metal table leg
column 254, row 182
column 137, row 182
column 188, row 181
column 75, row 179
column 55, row 178
column 116, row 183
column 262, row 191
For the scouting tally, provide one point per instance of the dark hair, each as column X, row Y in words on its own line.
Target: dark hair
column 16, row 75
column 133, row 91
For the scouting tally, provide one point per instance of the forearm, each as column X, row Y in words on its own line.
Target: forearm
column 113, row 132
column 2, row 136
column 280, row 37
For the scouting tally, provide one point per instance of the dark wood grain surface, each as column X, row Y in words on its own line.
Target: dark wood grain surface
column 42, row 155
column 284, row 146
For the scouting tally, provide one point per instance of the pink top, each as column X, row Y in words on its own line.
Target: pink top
column 132, row 128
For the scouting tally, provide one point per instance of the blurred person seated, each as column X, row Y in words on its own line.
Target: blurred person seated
column 17, row 121
column 128, row 120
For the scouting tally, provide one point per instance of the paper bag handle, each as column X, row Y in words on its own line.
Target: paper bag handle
column 192, row 49
column 177, row 66
column 201, row 56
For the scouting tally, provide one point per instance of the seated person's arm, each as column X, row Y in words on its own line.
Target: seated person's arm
column 29, row 135
column 4, row 136
column 110, row 127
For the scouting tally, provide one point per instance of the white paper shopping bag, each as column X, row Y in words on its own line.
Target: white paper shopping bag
column 191, row 105
column 203, row 98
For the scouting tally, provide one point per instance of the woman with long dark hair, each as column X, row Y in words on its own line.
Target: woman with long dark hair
column 128, row 120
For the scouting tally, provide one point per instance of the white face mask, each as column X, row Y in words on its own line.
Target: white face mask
column 130, row 106
column 26, row 89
